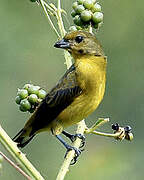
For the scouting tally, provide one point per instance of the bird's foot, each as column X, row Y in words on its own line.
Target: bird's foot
column 73, row 137
column 80, row 136
column 69, row 148
column 77, row 153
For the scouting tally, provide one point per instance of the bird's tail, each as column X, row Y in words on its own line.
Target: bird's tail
column 23, row 138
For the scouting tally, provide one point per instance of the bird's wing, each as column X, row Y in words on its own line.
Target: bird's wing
column 61, row 96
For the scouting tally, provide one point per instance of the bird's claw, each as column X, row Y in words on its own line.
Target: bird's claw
column 77, row 153
column 80, row 136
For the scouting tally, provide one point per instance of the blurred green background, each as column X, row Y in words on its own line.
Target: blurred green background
column 27, row 55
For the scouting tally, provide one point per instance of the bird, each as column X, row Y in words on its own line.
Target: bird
column 76, row 95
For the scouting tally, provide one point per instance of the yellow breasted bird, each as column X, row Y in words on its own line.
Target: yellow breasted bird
column 75, row 96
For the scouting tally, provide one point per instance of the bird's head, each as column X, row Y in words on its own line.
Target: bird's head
column 80, row 43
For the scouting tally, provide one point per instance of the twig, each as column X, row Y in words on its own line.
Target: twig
column 68, row 58
column 90, row 29
column 116, row 135
column 60, row 21
column 49, row 19
column 98, row 123
column 15, row 166
column 20, row 158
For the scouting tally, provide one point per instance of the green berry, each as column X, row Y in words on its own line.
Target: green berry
column 25, row 105
column 26, row 86
column 1, row 158
column 18, row 100
column 88, row 4
column 81, row 1
column 33, row 98
column 41, row 94
column 74, row 5
column 22, row 108
column 77, row 20
column 96, row 8
column 73, row 13
column 22, row 93
column 97, row 17
column 86, row 15
column 33, row 89
column 72, row 28
column 79, row 9
column 37, row 87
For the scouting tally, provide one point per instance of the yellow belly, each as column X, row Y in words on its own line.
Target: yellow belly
column 92, row 80
column 83, row 105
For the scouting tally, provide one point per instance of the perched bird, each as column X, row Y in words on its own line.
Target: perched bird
column 75, row 96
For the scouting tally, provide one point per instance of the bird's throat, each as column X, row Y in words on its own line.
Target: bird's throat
column 91, row 72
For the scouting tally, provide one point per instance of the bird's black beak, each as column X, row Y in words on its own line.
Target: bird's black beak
column 62, row 44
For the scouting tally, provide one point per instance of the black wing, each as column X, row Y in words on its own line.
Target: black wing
column 61, row 96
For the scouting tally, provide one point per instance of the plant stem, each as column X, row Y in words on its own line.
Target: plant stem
column 49, row 19
column 90, row 29
column 60, row 21
column 20, row 158
column 107, row 134
column 15, row 166
column 68, row 58
column 100, row 122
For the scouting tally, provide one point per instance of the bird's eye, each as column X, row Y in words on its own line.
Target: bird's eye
column 79, row 39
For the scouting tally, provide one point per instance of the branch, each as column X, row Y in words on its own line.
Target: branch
column 15, row 166
column 20, row 158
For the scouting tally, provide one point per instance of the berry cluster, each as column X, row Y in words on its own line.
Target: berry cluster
column 85, row 13
column 29, row 97
column 127, row 132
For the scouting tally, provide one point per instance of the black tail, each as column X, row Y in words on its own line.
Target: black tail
column 22, row 138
